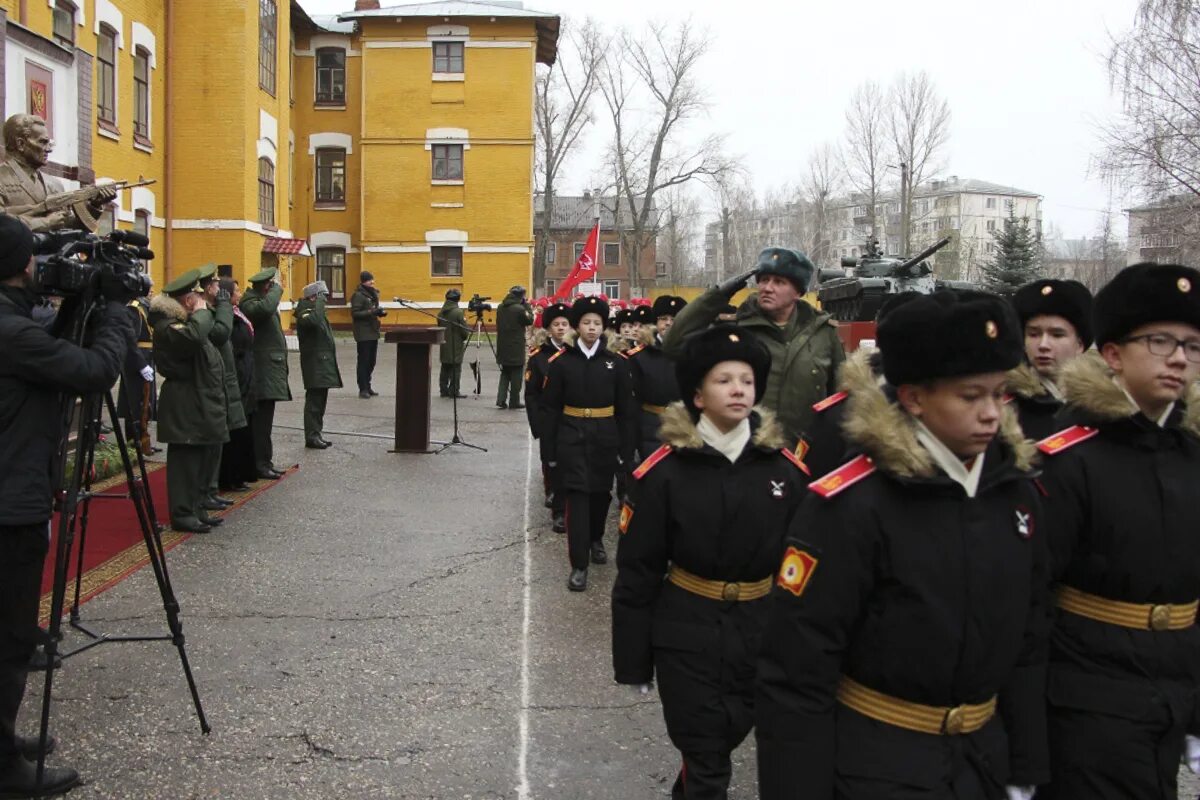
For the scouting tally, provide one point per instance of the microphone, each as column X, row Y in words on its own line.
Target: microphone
column 145, row 253
column 130, row 238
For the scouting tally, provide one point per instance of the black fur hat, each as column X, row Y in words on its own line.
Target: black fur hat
column 705, row 349
column 1070, row 300
column 553, row 312
column 589, row 305
column 948, row 334
column 790, row 264
column 668, row 306
column 1146, row 293
column 643, row 315
column 623, row 316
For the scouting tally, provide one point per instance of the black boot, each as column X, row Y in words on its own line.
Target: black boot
column 558, row 522
column 599, row 555
column 28, row 745
column 578, row 580
column 19, row 777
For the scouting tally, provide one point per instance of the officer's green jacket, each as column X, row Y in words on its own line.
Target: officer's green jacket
column 270, row 348
column 451, row 318
column 512, row 318
column 805, row 354
column 318, row 352
column 192, row 405
column 222, row 327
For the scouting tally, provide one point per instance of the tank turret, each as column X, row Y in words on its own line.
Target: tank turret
column 857, row 294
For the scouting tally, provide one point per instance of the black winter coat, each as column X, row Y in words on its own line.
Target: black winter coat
column 654, row 384
column 718, row 520
column 907, row 586
column 242, row 341
column 823, row 447
column 37, row 367
column 1036, row 407
column 536, row 369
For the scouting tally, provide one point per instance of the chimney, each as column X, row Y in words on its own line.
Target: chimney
column 366, row 5
column 587, row 194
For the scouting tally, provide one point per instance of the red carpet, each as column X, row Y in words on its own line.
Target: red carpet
column 113, row 548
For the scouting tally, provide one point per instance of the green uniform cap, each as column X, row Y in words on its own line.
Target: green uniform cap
column 207, row 271
column 187, row 282
column 264, row 275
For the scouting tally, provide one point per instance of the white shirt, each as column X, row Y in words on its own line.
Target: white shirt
column 729, row 444
column 1161, row 421
column 952, row 465
column 589, row 351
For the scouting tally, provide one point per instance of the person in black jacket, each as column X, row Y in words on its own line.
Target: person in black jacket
column 708, row 512
column 37, row 369
column 237, row 455
column 1056, row 317
column 653, row 374
column 589, row 414
column 1123, row 523
column 548, row 342
column 906, row 648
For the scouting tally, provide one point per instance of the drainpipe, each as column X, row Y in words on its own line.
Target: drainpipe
column 23, row 13
column 168, row 162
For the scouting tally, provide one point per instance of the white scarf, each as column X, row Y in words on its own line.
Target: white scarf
column 1161, row 421
column 729, row 444
column 951, row 464
column 589, row 351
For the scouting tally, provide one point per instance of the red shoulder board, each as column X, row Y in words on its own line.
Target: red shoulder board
column 556, row 355
column 635, row 350
column 533, row 351
column 795, row 459
column 655, row 457
column 829, row 402
column 843, row 477
column 1066, row 439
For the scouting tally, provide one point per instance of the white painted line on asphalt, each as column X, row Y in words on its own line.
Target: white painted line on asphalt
column 523, row 718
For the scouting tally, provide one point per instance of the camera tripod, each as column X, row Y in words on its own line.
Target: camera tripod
column 74, row 503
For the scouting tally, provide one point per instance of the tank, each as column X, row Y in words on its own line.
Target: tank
column 855, row 292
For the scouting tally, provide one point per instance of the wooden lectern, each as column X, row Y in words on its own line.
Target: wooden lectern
column 412, row 386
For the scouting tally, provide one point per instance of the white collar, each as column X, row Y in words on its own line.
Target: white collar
column 951, row 464
column 1051, row 387
column 1161, row 421
column 588, row 351
column 729, row 444
column 556, row 345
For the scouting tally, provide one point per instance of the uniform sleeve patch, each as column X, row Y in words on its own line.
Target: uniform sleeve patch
column 843, row 477
column 829, row 402
column 528, row 374
column 178, row 326
column 1064, row 440
column 796, row 571
column 655, row 457
column 626, row 517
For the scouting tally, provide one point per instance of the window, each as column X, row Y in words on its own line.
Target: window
column 551, row 253
column 267, row 23
column 331, row 175
column 612, row 253
column 447, row 162
column 991, row 202
column 578, row 250
column 331, row 268
column 660, row 269
column 141, row 224
column 141, row 94
column 991, row 224
column 551, row 287
column 612, row 290
column 448, row 57
column 331, row 76
column 447, row 261
column 106, row 76
column 266, row 193
column 64, row 23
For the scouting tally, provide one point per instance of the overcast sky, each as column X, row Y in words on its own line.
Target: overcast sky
column 1025, row 80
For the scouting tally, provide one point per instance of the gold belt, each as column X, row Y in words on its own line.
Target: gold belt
column 719, row 590
column 660, row 410
column 588, row 413
column 1143, row 616
column 145, row 345
column 937, row 720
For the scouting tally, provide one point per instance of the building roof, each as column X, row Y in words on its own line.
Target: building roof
column 1173, row 202
column 943, row 186
column 547, row 24
column 574, row 213
column 331, row 23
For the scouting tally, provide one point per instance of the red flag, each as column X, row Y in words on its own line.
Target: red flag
column 585, row 267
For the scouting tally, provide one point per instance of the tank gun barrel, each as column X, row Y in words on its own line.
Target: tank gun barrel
column 924, row 254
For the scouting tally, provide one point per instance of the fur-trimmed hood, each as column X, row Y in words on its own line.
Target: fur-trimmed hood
column 678, row 430
column 861, row 366
column 885, row 432
column 1088, row 387
column 167, row 306
column 1024, row 382
column 614, row 342
column 647, row 335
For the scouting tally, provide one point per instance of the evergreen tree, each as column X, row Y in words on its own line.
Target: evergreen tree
column 1015, row 258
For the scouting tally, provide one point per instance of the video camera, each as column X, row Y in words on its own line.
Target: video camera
column 478, row 305
column 73, row 262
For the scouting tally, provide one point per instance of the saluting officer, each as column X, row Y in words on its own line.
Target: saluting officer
column 261, row 306
column 192, row 410
column 905, row 653
column 589, row 413
column 653, row 374
column 318, row 362
column 708, row 513
column 219, row 303
column 1123, row 523
column 548, row 342
column 1056, row 317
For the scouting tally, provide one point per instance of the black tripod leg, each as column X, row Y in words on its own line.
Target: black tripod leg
column 143, row 476
column 80, row 536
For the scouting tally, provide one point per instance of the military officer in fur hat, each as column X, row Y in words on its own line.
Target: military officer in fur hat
column 192, row 406
column 260, row 304
column 318, row 361
column 548, row 342
column 1123, row 522
column 905, row 652
column 1056, row 316
column 701, row 536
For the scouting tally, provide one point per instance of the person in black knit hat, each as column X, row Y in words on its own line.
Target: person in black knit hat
column 905, row 650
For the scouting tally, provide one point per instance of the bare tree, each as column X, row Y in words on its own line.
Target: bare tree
column 678, row 241
column 866, row 153
column 650, row 89
column 822, row 183
column 562, row 112
column 920, row 128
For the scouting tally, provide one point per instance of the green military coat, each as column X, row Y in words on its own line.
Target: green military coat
column 512, row 318
column 222, row 327
column 270, row 348
column 318, row 352
column 363, row 306
column 454, row 346
column 192, row 406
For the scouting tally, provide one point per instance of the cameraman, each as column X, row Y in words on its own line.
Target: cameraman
column 512, row 318
column 36, row 370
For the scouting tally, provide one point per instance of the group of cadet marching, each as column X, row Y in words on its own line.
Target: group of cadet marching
column 964, row 564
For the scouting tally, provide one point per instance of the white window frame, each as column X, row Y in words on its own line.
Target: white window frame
column 551, row 252
column 612, row 289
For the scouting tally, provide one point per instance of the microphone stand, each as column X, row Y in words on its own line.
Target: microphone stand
column 455, row 439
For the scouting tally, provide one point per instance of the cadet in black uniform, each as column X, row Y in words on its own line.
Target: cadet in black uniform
column 708, row 513
column 556, row 324
column 905, row 653
column 1056, row 317
column 1124, row 529
column 653, row 374
column 589, row 413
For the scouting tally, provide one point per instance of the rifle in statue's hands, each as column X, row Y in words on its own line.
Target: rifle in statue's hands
column 88, row 195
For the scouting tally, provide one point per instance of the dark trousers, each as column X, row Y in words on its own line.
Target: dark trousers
column 188, row 474
column 315, row 401
column 558, row 498
column 22, row 554
column 213, row 468
column 511, row 384
column 264, row 420
column 586, row 515
column 449, row 378
column 237, row 457
column 368, row 352
column 704, row 776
